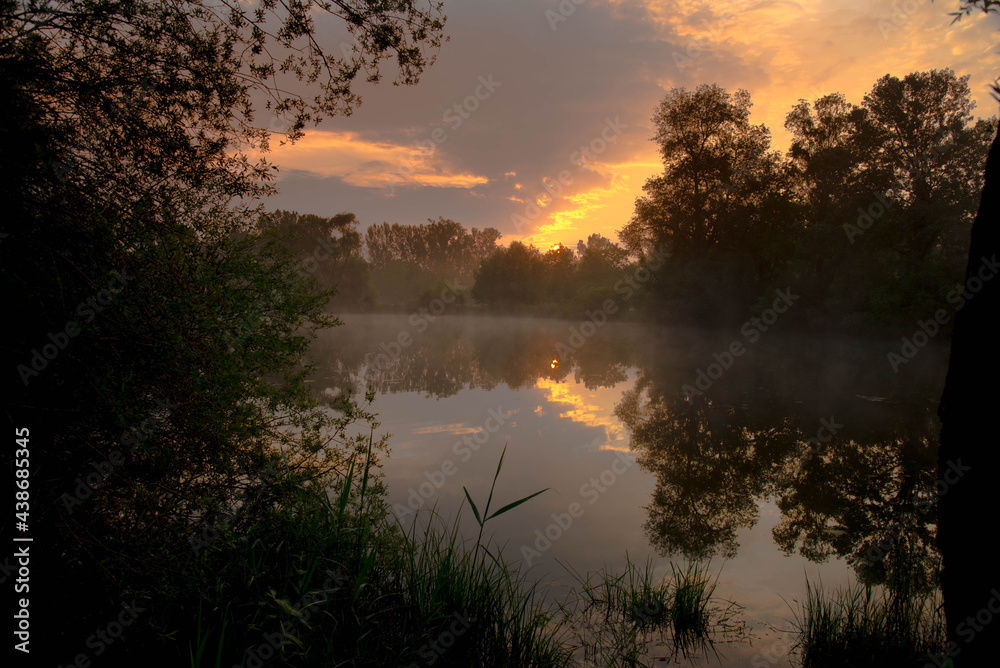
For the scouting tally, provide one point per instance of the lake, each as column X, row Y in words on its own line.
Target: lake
column 774, row 456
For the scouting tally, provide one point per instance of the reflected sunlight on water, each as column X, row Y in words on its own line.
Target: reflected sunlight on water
column 634, row 467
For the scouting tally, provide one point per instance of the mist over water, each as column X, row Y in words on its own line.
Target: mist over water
column 800, row 456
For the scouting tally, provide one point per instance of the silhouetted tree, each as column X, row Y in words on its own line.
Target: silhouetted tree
column 409, row 260
column 130, row 224
column 329, row 250
column 967, row 412
column 714, row 160
column 969, row 579
column 511, row 277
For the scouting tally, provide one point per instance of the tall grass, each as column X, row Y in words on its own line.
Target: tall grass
column 898, row 624
column 328, row 579
column 635, row 618
column 693, row 590
column 325, row 578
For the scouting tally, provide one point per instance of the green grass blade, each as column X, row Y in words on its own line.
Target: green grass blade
column 345, row 493
column 495, row 476
column 515, row 504
column 364, row 478
column 475, row 511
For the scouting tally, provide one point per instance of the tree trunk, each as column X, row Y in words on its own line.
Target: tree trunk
column 968, row 461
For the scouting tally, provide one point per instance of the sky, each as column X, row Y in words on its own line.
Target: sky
column 535, row 117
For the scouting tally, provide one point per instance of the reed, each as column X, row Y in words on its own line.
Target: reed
column 899, row 623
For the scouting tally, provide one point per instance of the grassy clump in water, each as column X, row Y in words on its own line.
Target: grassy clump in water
column 898, row 624
column 625, row 616
column 693, row 590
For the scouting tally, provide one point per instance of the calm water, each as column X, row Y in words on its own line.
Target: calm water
column 656, row 442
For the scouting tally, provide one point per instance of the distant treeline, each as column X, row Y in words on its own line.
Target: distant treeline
column 391, row 266
column 867, row 217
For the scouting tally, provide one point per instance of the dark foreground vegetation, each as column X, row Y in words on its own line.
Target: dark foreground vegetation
column 189, row 499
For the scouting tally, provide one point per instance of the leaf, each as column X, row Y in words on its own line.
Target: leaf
column 345, row 492
column 500, row 463
column 509, row 506
column 495, row 476
column 472, row 503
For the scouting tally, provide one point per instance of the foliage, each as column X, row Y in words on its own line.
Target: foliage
column 180, row 331
column 868, row 214
column 407, row 260
column 624, row 617
column 330, row 250
column 330, row 579
column 512, row 276
column 717, row 167
column 898, row 624
column 557, row 282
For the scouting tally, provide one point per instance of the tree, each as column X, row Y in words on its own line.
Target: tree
column 329, row 249
column 600, row 250
column 721, row 209
column 931, row 148
column 967, row 405
column 969, row 575
column 174, row 334
column 713, row 159
column 831, row 142
column 888, row 189
column 483, row 243
column 409, row 260
column 560, row 273
column 511, row 277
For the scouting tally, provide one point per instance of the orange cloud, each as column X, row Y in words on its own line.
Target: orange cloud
column 369, row 164
column 781, row 51
column 455, row 429
column 602, row 209
column 580, row 409
column 798, row 49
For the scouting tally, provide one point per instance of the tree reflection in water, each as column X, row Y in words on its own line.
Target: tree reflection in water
column 844, row 448
column 852, row 473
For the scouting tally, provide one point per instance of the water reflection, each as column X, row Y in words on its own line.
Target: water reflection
column 844, row 447
column 454, row 354
column 851, row 481
column 712, row 463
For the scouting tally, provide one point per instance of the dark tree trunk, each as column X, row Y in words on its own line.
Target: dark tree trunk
column 968, row 462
